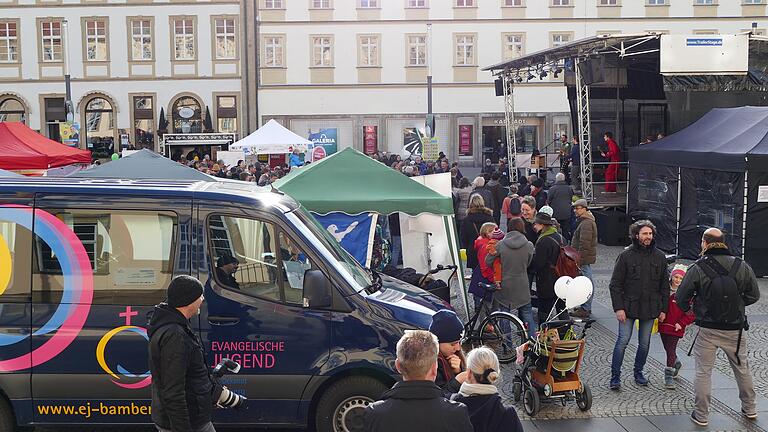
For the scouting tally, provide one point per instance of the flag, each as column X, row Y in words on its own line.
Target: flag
column 354, row 233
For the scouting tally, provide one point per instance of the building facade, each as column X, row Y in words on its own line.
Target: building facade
column 135, row 65
column 358, row 68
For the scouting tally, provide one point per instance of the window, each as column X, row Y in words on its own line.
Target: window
column 141, row 39
column 513, row 3
column 50, row 42
column 369, row 4
column 144, row 122
column 465, row 50
column 704, row 2
column 514, row 45
column 753, row 2
column 560, row 39
column 17, row 237
column 100, row 127
column 369, row 50
column 226, row 114
column 561, row 2
column 417, row 3
column 417, row 50
column 95, row 40
column 609, row 2
column 656, row 2
column 12, row 110
column 130, row 252
column 9, row 42
column 321, row 4
column 54, row 114
column 226, row 48
column 187, row 115
column 273, row 4
column 183, row 39
column 322, row 51
column 274, row 51
column 465, row 3
column 269, row 264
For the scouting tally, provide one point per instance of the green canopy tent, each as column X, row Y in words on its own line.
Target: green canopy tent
column 352, row 183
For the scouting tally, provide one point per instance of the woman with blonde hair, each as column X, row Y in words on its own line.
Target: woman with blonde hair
column 481, row 396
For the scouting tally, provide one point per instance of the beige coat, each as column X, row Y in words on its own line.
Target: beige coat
column 585, row 239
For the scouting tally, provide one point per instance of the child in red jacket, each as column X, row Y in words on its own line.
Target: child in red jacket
column 673, row 327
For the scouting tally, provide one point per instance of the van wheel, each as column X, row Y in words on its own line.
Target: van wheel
column 342, row 406
column 7, row 419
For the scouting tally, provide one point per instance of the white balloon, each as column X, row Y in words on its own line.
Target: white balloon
column 561, row 286
column 579, row 291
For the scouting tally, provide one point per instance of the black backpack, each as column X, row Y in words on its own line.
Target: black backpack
column 722, row 295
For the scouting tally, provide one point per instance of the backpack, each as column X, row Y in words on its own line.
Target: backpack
column 722, row 295
column 567, row 263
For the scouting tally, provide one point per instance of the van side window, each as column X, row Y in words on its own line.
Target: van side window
column 295, row 262
column 243, row 251
column 15, row 255
column 131, row 255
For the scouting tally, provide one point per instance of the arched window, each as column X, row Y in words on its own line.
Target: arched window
column 100, row 127
column 187, row 115
column 12, row 110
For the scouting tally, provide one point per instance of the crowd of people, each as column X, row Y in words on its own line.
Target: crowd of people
column 261, row 174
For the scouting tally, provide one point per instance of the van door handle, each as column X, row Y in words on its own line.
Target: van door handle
column 222, row 320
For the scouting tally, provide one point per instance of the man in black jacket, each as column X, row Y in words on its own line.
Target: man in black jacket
column 639, row 292
column 182, row 387
column 416, row 403
column 545, row 255
column 721, row 319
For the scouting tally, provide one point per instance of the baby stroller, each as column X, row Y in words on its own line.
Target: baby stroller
column 550, row 367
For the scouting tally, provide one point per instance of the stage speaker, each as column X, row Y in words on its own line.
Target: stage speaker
column 612, row 227
column 592, row 71
column 499, row 85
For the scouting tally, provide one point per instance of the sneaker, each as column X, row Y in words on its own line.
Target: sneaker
column 750, row 416
column 678, row 365
column 615, row 383
column 697, row 421
column 640, row 379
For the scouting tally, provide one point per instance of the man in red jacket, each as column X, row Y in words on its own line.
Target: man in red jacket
column 614, row 157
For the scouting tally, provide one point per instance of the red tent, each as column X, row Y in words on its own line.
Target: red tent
column 21, row 148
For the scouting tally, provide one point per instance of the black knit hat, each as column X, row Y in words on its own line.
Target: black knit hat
column 183, row 290
column 447, row 326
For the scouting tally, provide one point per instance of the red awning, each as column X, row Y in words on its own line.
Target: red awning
column 21, row 148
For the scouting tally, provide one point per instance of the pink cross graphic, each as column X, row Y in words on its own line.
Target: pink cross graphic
column 128, row 314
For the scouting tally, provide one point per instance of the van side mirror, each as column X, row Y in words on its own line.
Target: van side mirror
column 317, row 290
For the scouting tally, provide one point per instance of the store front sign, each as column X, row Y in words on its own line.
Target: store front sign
column 465, row 140
column 324, row 143
column 370, row 139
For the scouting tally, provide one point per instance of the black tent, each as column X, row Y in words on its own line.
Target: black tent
column 704, row 176
column 144, row 165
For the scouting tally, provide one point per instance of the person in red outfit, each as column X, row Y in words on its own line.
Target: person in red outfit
column 673, row 327
column 614, row 157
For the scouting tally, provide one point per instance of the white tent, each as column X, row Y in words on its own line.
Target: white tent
column 272, row 138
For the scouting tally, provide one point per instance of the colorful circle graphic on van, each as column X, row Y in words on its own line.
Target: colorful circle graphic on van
column 77, row 295
column 6, row 266
column 101, row 348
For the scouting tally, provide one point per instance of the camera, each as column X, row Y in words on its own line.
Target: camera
column 227, row 398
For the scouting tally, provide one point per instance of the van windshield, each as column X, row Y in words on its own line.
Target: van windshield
column 362, row 277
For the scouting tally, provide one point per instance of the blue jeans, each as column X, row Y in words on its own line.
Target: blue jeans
column 625, row 334
column 525, row 313
column 586, row 270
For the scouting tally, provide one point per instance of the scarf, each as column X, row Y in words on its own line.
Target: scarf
column 712, row 246
column 468, row 389
column 548, row 231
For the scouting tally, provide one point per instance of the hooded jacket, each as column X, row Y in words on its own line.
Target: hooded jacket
column 585, row 239
column 675, row 315
column 516, row 254
column 470, row 229
column 182, row 387
column 560, row 197
column 695, row 279
column 640, row 283
column 416, row 406
column 488, row 414
column 545, row 257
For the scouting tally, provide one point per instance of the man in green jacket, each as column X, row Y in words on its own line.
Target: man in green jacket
column 585, row 241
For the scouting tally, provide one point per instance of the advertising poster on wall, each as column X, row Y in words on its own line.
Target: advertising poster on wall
column 370, row 139
column 70, row 133
column 324, row 143
column 465, row 140
column 412, row 142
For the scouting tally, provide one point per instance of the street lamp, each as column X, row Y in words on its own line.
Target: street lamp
column 68, row 101
column 430, row 123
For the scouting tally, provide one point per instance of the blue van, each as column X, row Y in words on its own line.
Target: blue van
column 82, row 262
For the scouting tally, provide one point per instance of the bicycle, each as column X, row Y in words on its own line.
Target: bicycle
column 500, row 331
column 441, row 290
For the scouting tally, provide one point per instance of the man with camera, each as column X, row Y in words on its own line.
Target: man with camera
column 720, row 286
column 416, row 404
column 183, row 390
